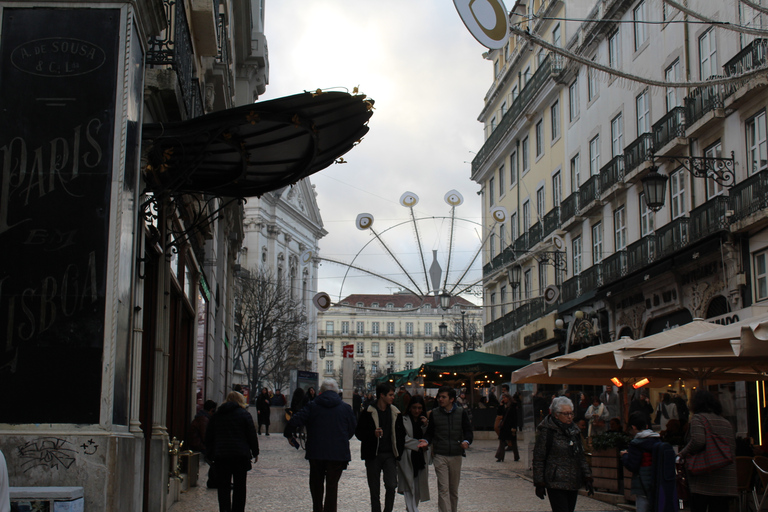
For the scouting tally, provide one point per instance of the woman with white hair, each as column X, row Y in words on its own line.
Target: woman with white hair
column 559, row 465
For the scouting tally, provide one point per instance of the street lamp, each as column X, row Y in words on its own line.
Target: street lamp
column 654, row 187
column 321, row 351
column 443, row 329
column 445, row 300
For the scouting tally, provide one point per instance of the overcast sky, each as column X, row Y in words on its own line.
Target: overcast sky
column 427, row 76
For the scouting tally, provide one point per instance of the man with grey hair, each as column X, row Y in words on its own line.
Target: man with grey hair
column 330, row 424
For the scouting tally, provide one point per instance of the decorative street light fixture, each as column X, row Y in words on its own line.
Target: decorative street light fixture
column 321, row 351
column 654, row 187
column 443, row 329
column 445, row 300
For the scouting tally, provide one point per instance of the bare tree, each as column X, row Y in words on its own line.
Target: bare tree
column 269, row 329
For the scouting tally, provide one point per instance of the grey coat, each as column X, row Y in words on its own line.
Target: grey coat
column 721, row 482
column 405, row 479
column 565, row 466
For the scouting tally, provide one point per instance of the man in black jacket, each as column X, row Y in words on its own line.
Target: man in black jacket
column 382, row 434
column 450, row 433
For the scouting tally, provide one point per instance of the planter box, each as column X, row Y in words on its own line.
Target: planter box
column 607, row 471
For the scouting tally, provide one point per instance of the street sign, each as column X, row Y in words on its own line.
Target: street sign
column 348, row 351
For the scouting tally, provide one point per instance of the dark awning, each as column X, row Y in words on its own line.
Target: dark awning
column 250, row 150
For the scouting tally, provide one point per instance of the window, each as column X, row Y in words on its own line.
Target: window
column 329, row 366
column 528, row 283
column 620, row 228
column 496, row 68
column 540, row 204
column 575, row 173
column 557, row 189
column 443, row 348
column 360, row 327
column 409, row 349
column 391, row 349
column 540, row 138
column 427, row 349
column 613, row 50
column 526, row 216
column 597, row 243
column 556, row 37
column 513, row 169
column 677, row 189
column 526, row 76
column 515, row 93
column 643, row 113
column 554, row 118
column 526, row 154
column 491, row 185
column 329, row 348
column 492, row 245
column 592, row 89
column 493, row 125
column 390, row 305
column 503, row 108
column 360, row 348
column 428, row 329
column 493, row 310
column 573, row 100
column 540, row 56
column 503, row 291
column 594, row 156
column 344, row 327
column 756, row 143
column 672, row 74
column 761, row 275
column 713, row 187
column 374, row 327
column 374, row 304
column 409, row 365
column 513, row 226
column 617, row 136
column 641, row 31
column 542, row 277
column 646, row 217
column 501, row 181
column 409, row 328
column 360, row 305
column 328, row 327
column 374, row 366
column 390, row 328
column 708, row 54
column 375, row 348
column 576, row 250
column 502, row 237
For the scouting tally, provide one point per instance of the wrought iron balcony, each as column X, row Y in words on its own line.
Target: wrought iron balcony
column 500, row 260
column 571, row 289
column 174, row 49
column 703, row 100
column 589, row 191
column 515, row 110
column 669, row 127
column 641, row 253
column 709, row 218
column 752, row 56
column 615, row 267
column 612, row 173
column 672, row 237
column 521, row 244
column 551, row 222
column 749, row 196
column 534, row 235
column 569, row 208
column 592, row 277
column 638, row 152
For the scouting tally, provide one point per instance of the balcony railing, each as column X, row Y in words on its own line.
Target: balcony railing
column 703, row 100
column 589, row 191
column 534, row 235
column 174, row 49
column 515, row 319
column 749, row 196
column 612, row 173
column 592, row 277
column 641, row 253
column 614, row 267
column 669, row 127
column 672, row 237
column 521, row 244
column 752, row 56
column 638, row 152
column 709, row 218
column 551, row 221
column 526, row 95
column 571, row 289
column 569, row 208
column 500, row 260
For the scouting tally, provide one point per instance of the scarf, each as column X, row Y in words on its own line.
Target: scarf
column 573, row 434
column 417, row 457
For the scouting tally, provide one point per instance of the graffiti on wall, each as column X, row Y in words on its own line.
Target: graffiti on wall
column 53, row 453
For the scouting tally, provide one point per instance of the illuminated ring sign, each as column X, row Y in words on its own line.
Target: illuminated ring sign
column 486, row 20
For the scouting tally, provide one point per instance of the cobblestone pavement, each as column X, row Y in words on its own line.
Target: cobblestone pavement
column 279, row 482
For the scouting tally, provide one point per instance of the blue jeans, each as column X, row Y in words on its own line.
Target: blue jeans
column 373, row 468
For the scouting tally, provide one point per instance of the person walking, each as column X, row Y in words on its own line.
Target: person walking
column 450, row 433
column 638, row 458
column 412, row 467
column 231, row 442
column 712, row 491
column 560, row 467
column 381, row 432
column 197, row 433
column 263, row 409
column 506, row 427
column 330, row 424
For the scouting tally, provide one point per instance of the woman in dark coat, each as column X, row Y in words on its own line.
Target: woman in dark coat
column 715, row 490
column 309, row 396
column 560, row 468
column 231, row 441
column 506, row 420
column 262, row 410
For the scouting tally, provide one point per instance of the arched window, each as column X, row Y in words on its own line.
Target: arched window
column 717, row 306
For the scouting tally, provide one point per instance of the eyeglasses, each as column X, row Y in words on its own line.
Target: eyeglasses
column 566, row 414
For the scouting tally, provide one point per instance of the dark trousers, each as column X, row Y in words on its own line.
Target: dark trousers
column 501, row 449
column 562, row 501
column 705, row 502
column 231, row 486
column 324, row 475
column 384, row 462
column 512, row 443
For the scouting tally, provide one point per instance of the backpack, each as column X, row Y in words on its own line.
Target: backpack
column 664, row 478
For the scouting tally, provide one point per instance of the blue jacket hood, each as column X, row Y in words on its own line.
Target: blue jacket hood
column 328, row 399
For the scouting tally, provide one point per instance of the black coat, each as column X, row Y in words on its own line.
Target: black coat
column 330, row 425
column 231, row 435
column 365, row 432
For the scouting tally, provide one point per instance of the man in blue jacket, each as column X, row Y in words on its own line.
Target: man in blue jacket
column 330, row 424
column 638, row 458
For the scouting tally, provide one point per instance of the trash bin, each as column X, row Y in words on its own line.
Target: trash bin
column 189, row 463
column 51, row 499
